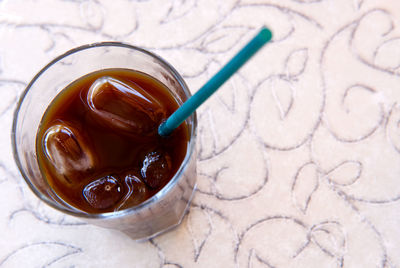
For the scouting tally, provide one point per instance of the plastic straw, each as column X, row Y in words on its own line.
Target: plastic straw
column 183, row 112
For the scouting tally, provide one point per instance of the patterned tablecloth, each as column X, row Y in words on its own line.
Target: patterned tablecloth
column 298, row 154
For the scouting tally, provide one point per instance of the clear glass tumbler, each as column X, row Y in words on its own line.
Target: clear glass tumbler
column 157, row 214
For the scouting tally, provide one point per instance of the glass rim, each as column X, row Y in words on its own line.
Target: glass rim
column 114, row 214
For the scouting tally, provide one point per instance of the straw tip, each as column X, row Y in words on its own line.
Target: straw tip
column 265, row 34
column 163, row 130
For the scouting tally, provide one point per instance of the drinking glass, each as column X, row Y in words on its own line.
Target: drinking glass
column 162, row 211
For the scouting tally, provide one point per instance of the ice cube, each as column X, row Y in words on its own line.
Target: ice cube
column 136, row 194
column 67, row 151
column 103, row 193
column 156, row 168
column 125, row 105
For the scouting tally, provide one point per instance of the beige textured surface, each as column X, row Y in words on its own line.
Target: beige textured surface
column 299, row 154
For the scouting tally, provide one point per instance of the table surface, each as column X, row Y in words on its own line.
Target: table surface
column 298, row 154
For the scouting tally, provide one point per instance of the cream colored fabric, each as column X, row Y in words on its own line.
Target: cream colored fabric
column 298, row 154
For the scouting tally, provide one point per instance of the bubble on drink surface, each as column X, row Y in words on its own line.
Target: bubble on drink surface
column 137, row 192
column 156, row 168
column 125, row 105
column 103, row 193
column 67, row 151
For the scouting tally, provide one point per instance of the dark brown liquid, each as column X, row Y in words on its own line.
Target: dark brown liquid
column 98, row 146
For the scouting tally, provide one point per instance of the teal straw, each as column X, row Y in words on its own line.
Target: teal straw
column 183, row 112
